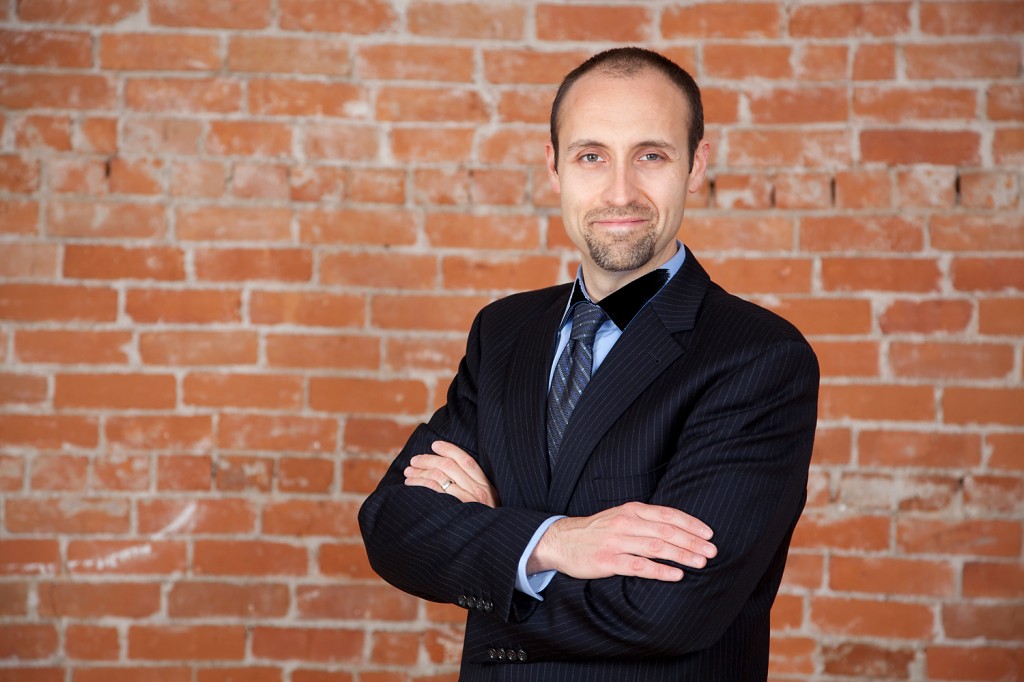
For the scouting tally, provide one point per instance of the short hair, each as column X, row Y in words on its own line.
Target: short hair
column 627, row 62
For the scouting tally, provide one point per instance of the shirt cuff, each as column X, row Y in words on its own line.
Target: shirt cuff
column 534, row 584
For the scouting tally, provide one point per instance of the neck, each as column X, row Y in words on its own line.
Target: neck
column 602, row 283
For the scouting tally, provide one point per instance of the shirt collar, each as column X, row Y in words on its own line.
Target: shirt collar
column 623, row 304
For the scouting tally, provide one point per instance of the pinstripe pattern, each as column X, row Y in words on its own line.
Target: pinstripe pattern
column 706, row 403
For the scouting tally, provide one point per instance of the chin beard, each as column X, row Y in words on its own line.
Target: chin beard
column 622, row 253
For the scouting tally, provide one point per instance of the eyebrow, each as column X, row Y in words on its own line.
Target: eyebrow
column 658, row 144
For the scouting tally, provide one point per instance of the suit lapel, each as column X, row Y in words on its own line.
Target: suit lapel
column 649, row 345
column 526, row 401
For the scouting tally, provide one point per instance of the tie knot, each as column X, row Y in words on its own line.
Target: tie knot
column 586, row 318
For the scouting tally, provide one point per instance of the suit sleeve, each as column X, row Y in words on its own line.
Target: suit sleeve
column 432, row 545
column 741, row 467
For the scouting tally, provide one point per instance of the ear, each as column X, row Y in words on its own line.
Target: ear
column 700, row 166
column 549, row 153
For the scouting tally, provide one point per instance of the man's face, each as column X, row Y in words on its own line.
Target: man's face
column 623, row 172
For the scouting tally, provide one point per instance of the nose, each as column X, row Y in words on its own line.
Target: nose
column 621, row 189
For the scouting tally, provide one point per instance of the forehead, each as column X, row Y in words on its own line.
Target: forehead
column 646, row 104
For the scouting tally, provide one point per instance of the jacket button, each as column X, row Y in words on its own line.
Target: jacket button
column 462, row 600
column 471, row 602
column 501, row 654
column 492, row 654
column 489, row 606
column 521, row 655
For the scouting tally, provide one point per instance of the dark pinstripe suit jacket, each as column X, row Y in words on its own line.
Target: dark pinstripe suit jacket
column 706, row 403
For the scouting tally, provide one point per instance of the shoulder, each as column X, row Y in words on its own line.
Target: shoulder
column 526, row 305
column 731, row 320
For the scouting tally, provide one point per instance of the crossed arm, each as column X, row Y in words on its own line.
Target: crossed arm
column 626, row 540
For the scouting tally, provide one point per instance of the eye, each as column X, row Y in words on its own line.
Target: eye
column 590, row 157
column 651, row 156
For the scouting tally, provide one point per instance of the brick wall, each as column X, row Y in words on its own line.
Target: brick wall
column 241, row 244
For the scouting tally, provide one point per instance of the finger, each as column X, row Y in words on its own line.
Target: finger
column 444, row 469
column 640, row 567
column 465, row 461
column 655, row 548
column 432, row 483
column 672, row 516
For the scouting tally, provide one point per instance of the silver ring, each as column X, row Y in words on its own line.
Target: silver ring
column 446, row 485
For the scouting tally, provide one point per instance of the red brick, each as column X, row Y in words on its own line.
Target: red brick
column 122, row 472
column 784, row 147
column 19, row 217
column 342, row 16
column 324, row 645
column 984, row 495
column 846, row 532
column 27, row 641
column 868, row 660
column 529, row 105
column 86, row 261
column 253, row 558
column 832, row 446
column 873, row 61
column 249, row 138
column 22, row 389
column 325, row 676
column 279, row 97
column 374, row 435
column 526, row 66
column 871, row 402
column 825, row 316
column 210, row 13
column 838, row 233
column 260, row 181
column 29, row 557
column 1005, row 451
column 92, row 643
column 992, row 190
column 819, row 63
column 969, row 233
column 898, row 105
column 986, row 538
column 190, row 599
column 49, row 431
column 847, row 358
column 741, row 61
column 136, row 176
column 500, row 272
column 309, row 518
column 905, row 147
column 77, row 11
column 762, row 275
column 460, row 230
column 175, row 516
column 305, row 475
column 989, row 622
column 864, row 189
column 59, row 472
column 63, row 175
column 512, row 145
column 283, row 433
column 377, row 185
column 738, row 192
column 199, row 348
column 347, row 142
column 411, row 144
column 792, row 655
column 804, row 571
column 395, row 648
column 1005, row 102
column 159, row 51
column 991, row 579
column 12, row 473
column 198, row 306
column 722, row 20
column 467, row 20
column 120, row 220
column 1001, row 316
column 951, row 360
column 336, row 351
column 244, row 265
column 243, row 390
column 880, row 274
column 354, row 602
column 430, row 104
column 983, row 406
column 126, row 673
column 415, row 62
column 974, row 663
column 125, row 391
column 726, row 233
column 215, row 95
column 96, row 600
column 434, row 313
column 97, row 135
column 69, row 514
column 161, row 136
column 799, row 105
column 248, row 673
column 927, row 316
column 863, row 618
column 125, row 557
column 892, row 576
column 973, row 18
column 184, row 472
column 367, row 396
column 894, row 492
column 919, row 449
column 348, row 226
column 436, row 354
column 361, row 475
column 1008, row 147
column 345, row 560
column 926, row 187
column 56, row 91
column 266, row 54
column 379, row 270
column 192, row 642
column 990, row 59
column 64, row 49
column 787, row 613
column 593, row 23
column 244, row 473
column 18, row 174
column 850, row 19
column 318, row 309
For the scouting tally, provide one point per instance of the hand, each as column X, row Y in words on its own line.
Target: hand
column 455, row 467
column 624, row 540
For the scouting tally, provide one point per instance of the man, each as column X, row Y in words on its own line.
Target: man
column 586, row 452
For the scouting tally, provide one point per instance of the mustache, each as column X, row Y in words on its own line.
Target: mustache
column 633, row 210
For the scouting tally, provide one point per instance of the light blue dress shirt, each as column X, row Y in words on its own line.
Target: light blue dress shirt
column 607, row 334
